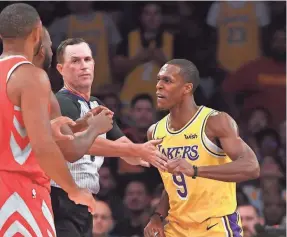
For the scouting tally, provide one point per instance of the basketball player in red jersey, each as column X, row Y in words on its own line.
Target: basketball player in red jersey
column 28, row 150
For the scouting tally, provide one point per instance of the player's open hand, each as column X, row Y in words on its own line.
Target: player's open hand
column 154, row 228
column 102, row 122
column 149, row 153
column 56, row 125
column 179, row 165
column 84, row 197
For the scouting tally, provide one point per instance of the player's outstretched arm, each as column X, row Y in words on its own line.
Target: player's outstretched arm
column 146, row 151
column 244, row 166
column 74, row 149
column 32, row 87
column 34, row 101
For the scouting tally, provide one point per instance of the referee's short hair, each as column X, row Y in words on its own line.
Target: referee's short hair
column 63, row 45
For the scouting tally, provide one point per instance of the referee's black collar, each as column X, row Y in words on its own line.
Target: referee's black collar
column 68, row 92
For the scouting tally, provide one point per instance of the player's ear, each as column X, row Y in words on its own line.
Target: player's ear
column 60, row 68
column 188, row 88
column 37, row 32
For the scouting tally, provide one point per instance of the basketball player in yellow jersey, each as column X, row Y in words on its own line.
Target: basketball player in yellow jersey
column 206, row 159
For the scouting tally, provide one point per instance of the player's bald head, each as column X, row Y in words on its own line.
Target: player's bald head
column 188, row 71
column 18, row 21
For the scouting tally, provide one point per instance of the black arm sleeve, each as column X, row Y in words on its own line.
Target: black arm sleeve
column 69, row 108
column 115, row 133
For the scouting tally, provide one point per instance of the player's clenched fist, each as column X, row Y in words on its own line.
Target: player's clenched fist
column 154, row 228
column 103, row 122
column 56, row 125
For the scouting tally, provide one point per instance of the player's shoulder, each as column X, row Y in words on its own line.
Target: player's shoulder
column 151, row 131
column 28, row 69
column 220, row 123
column 29, row 75
column 219, row 116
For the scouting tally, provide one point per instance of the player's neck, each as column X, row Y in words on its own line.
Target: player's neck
column 182, row 113
column 17, row 47
column 83, row 92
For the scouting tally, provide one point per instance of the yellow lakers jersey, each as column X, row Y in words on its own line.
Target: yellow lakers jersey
column 143, row 78
column 194, row 200
column 238, row 36
column 95, row 34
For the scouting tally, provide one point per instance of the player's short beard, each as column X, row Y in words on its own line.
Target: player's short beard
column 47, row 61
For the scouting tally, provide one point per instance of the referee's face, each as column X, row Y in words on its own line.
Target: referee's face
column 78, row 66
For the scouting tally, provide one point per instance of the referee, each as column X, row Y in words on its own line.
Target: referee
column 77, row 67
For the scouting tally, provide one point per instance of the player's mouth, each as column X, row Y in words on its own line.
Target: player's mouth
column 160, row 96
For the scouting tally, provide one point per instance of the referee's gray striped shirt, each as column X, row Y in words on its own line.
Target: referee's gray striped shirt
column 85, row 171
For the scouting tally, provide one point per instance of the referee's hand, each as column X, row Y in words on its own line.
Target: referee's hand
column 84, row 197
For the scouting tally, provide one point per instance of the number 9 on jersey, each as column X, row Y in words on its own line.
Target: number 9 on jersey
column 180, row 183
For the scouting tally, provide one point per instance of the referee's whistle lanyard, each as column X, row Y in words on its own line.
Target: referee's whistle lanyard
column 70, row 91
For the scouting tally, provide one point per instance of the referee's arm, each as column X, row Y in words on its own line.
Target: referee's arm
column 73, row 150
column 116, row 144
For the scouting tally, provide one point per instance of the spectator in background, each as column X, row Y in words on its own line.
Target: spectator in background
column 108, row 191
column 253, row 122
column 238, row 27
column 249, row 218
column 137, row 202
column 241, row 196
column 268, row 142
column 263, row 82
column 156, row 196
column 142, row 114
column 272, row 180
column 97, row 29
column 274, row 208
column 103, row 221
column 142, row 52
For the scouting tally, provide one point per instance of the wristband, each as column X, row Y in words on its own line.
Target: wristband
column 160, row 216
column 195, row 171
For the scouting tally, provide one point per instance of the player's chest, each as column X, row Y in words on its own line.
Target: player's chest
column 186, row 146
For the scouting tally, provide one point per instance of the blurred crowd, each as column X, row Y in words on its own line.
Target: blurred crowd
column 240, row 51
